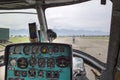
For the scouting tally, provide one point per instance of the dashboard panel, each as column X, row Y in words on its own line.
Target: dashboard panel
column 38, row 61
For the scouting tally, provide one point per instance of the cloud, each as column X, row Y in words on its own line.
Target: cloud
column 17, row 21
column 90, row 15
column 85, row 16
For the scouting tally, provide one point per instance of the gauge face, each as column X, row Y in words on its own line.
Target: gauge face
column 41, row 62
column 50, row 50
column 62, row 49
column 35, row 49
column 17, row 73
column 56, row 49
column 44, row 49
column 27, row 50
column 51, row 63
column 32, row 62
column 17, row 49
column 62, row 61
column 49, row 74
column 56, row 74
column 40, row 73
column 12, row 62
column 11, row 52
column 24, row 73
column 32, row 73
column 22, row 63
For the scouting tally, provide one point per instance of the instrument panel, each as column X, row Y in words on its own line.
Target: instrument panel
column 38, row 61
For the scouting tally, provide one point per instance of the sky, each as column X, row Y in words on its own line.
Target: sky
column 89, row 15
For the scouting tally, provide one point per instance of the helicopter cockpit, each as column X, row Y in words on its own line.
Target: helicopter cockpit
column 41, row 59
column 45, row 61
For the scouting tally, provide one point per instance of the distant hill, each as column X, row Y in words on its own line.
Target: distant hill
column 79, row 32
column 62, row 32
column 19, row 32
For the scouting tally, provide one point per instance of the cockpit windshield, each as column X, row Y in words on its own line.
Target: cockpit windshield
column 85, row 26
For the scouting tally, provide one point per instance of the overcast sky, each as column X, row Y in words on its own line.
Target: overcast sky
column 85, row 16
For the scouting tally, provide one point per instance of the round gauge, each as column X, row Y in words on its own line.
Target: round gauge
column 22, row 63
column 32, row 73
column 17, row 73
column 44, row 49
column 62, row 61
column 32, row 62
column 26, row 50
column 56, row 74
column 12, row 62
column 24, row 73
column 35, row 49
column 17, row 49
column 40, row 73
column 62, row 49
column 50, row 50
column 51, row 63
column 56, row 49
column 41, row 62
column 49, row 74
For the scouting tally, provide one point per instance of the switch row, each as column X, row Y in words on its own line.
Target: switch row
column 32, row 74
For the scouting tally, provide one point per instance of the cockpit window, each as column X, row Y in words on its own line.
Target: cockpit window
column 16, row 21
column 85, row 26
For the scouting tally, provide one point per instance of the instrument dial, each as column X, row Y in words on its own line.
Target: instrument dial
column 62, row 49
column 44, row 49
column 62, row 61
column 35, row 49
column 12, row 62
column 27, row 50
column 41, row 62
column 50, row 50
column 56, row 74
column 56, row 49
column 24, row 73
column 51, row 63
column 17, row 73
column 32, row 62
column 49, row 74
column 40, row 73
column 32, row 73
column 17, row 49
column 22, row 63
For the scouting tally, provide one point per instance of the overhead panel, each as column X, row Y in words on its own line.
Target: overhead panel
column 58, row 1
column 54, row 3
column 25, row 4
column 14, row 4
